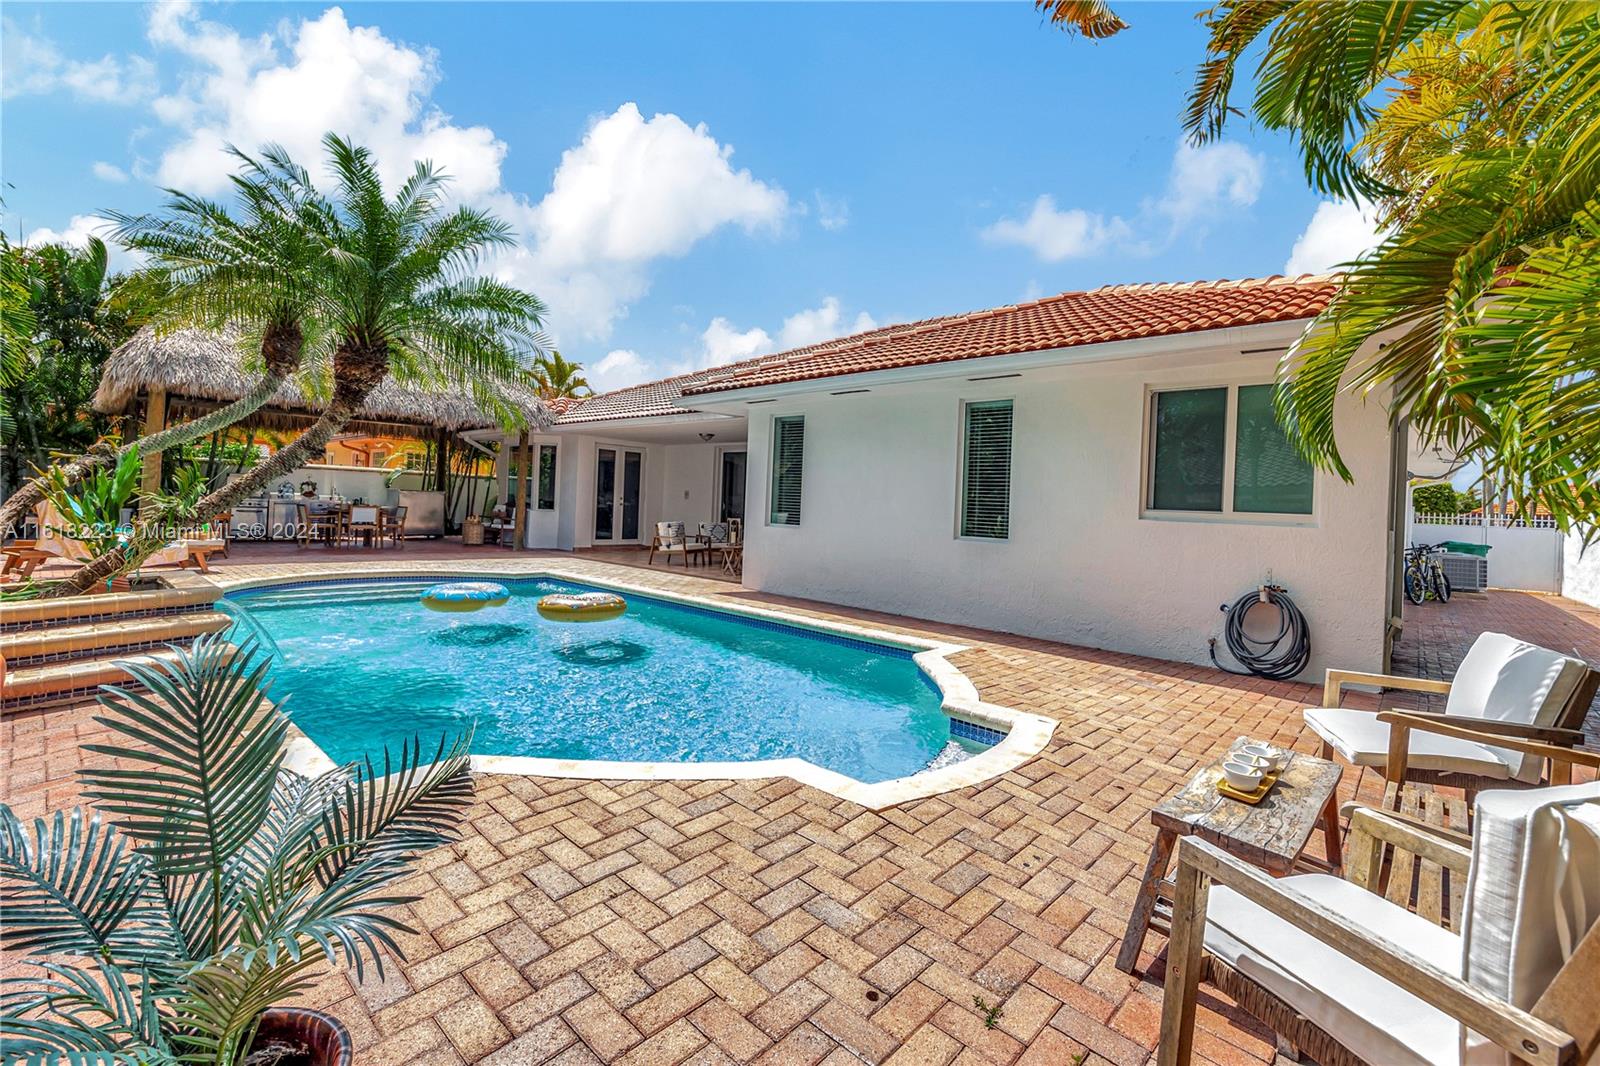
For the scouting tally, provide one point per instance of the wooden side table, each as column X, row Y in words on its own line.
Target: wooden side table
column 1272, row 834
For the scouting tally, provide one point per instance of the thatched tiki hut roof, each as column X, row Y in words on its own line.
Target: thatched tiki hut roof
column 198, row 370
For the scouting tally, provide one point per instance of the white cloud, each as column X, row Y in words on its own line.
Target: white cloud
column 1053, row 234
column 1339, row 231
column 618, row 369
column 723, row 343
column 32, row 64
column 108, row 172
column 77, row 235
column 820, row 324
column 1207, row 178
column 1202, row 183
column 833, row 213
column 633, row 191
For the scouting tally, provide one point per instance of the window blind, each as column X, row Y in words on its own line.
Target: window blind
column 986, row 470
column 788, row 466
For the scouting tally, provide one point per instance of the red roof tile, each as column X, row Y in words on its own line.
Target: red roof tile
column 1111, row 313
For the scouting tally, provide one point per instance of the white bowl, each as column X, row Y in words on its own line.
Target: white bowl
column 1272, row 756
column 1242, row 776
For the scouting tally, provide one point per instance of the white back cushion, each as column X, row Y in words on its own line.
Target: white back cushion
column 1532, row 893
column 1513, row 681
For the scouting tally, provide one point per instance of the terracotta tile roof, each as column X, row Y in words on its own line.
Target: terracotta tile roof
column 655, row 398
column 1110, row 313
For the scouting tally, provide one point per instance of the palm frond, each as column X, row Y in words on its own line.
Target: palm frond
column 214, row 744
column 73, row 887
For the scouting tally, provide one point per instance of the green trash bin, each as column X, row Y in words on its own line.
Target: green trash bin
column 1461, row 547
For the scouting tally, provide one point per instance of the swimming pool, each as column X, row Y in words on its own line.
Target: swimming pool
column 365, row 664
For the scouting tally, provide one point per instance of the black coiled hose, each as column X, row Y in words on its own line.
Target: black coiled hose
column 1280, row 656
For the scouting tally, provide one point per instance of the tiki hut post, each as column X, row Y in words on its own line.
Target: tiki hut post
column 524, row 482
column 155, row 420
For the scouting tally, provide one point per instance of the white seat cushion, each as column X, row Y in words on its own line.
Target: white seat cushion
column 1364, row 741
column 1379, row 1021
column 1511, row 680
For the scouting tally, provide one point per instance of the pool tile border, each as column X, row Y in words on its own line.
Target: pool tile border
column 1022, row 735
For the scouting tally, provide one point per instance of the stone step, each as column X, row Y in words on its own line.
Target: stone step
column 183, row 592
column 39, row 645
column 47, row 684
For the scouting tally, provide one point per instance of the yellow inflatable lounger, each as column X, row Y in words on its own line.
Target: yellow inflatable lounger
column 458, row 596
column 582, row 606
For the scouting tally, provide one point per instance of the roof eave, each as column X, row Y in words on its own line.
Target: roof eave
column 1260, row 334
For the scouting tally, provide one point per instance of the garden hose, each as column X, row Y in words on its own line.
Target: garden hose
column 1279, row 657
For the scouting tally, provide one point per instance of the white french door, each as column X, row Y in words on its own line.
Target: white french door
column 618, row 478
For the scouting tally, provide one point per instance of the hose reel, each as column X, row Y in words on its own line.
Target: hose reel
column 1278, row 656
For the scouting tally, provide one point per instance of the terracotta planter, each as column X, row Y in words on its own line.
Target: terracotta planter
column 291, row 1036
column 119, row 584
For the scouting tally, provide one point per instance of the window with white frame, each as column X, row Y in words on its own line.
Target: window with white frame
column 1221, row 450
column 986, row 470
column 788, row 469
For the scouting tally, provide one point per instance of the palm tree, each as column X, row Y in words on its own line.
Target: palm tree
column 556, row 378
column 1480, row 313
column 395, row 295
column 251, row 269
column 226, row 881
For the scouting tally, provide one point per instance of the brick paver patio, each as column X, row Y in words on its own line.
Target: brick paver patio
column 712, row 922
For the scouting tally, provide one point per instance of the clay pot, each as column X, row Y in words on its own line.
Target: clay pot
column 293, row 1036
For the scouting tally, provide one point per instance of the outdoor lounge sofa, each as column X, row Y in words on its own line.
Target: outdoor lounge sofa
column 1348, row 976
column 1504, row 688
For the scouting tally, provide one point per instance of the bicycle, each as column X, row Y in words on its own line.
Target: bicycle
column 1425, row 576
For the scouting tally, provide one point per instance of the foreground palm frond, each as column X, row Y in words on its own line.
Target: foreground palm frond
column 1475, row 127
column 211, row 883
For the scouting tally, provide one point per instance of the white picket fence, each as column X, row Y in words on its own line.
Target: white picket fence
column 1496, row 521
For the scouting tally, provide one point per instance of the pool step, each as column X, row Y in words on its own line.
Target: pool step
column 30, row 688
column 91, row 640
column 347, row 594
column 61, row 650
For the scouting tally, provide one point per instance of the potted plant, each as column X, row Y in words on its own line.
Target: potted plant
column 209, row 882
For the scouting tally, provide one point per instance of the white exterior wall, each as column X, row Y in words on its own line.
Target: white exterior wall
column 1580, row 572
column 1081, row 564
column 689, row 493
column 677, row 485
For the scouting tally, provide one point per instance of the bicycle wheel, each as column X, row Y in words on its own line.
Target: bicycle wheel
column 1416, row 591
column 1441, row 585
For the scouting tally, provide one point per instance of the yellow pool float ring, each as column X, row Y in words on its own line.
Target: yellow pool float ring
column 582, row 606
column 460, row 596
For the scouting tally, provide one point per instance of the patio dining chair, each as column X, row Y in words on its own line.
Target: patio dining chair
column 394, row 525
column 1504, row 689
column 362, row 524
column 1350, row 977
column 318, row 523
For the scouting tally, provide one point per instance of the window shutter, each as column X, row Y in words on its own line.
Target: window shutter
column 986, row 471
column 788, row 465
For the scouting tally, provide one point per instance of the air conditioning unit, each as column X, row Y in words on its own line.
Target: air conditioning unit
column 1467, row 573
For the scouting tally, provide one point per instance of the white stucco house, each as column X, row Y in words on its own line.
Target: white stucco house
column 1101, row 468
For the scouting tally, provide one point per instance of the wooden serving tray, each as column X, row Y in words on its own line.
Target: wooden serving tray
column 1251, row 798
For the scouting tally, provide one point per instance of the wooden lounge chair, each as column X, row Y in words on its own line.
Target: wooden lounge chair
column 394, row 526
column 1350, row 977
column 22, row 557
column 670, row 539
column 1505, row 688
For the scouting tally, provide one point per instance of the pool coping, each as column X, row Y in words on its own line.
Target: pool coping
column 1026, row 734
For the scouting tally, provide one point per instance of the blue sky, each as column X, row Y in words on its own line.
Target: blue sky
column 691, row 183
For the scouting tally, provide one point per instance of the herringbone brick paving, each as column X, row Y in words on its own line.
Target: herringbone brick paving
column 763, row 921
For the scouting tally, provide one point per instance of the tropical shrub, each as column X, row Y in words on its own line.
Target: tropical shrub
column 91, row 510
column 209, row 881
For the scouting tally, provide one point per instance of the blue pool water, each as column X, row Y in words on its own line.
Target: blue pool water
column 365, row 664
